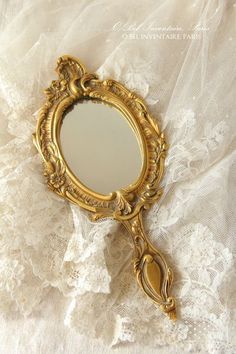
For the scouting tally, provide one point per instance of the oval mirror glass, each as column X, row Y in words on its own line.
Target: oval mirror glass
column 100, row 147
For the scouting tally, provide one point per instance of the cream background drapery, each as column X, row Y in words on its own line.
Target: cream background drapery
column 66, row 285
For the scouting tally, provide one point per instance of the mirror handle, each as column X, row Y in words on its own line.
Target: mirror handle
column 152, row 272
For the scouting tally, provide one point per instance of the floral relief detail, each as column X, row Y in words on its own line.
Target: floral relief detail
column 78, row 83
column 57, row 180
column 55, row 169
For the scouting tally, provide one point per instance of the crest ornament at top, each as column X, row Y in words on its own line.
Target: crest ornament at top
column 75, row 84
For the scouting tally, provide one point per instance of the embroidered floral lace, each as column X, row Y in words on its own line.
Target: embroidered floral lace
column 61, row 274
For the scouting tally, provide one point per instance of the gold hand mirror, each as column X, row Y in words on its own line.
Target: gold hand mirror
column 103, row 151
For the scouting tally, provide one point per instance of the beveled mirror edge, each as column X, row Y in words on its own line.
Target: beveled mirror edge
column 125, row 205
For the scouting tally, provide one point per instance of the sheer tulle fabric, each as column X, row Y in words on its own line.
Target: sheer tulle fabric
column 62, row 276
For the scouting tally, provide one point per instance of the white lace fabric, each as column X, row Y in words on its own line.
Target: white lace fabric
column 67, row 284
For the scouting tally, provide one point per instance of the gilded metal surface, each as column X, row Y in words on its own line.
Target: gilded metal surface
column 126, row 205
column 152, row 272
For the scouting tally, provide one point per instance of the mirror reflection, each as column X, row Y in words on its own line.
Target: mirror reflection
column 100, row 147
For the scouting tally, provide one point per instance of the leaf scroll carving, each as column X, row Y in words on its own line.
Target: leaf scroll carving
column 152, row 272
column 74, row 83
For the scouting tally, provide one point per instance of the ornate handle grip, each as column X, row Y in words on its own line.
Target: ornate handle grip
column 150, row 267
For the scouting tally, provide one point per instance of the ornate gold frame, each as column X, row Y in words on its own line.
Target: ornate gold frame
column 126, row 205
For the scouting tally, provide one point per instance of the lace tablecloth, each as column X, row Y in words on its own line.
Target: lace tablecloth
column 66, row 284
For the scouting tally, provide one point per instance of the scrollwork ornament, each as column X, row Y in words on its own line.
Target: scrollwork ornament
column 75, row 84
